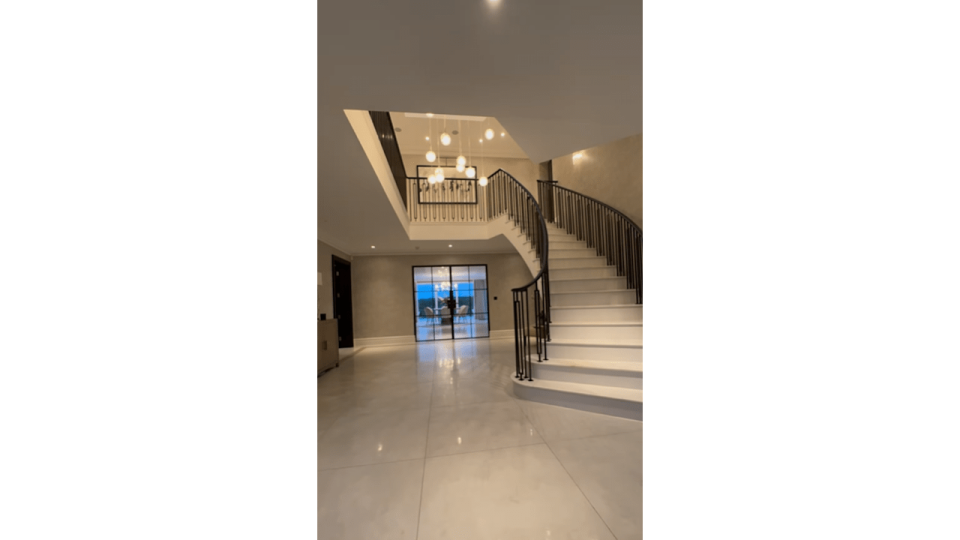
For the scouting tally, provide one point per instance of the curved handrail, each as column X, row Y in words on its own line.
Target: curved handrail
column 611, row 232
column 543, row 229
column 524, row 209
column 601, row 203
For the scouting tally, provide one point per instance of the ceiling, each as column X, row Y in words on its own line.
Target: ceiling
column 412, row 133
column 558, row 76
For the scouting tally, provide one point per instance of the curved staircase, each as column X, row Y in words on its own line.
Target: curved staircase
column 595, row 355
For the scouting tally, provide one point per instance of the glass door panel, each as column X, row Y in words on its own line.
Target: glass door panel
column 450, row 302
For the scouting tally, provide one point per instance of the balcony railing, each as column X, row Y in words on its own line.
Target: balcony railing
column 455, row 200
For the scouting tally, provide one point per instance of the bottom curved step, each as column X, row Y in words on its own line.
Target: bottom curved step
column 609, row 400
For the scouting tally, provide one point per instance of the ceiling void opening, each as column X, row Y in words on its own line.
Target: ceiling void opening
column 447, row 137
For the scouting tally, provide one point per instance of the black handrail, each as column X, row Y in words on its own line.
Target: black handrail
column 508, row 196
column 603, row 227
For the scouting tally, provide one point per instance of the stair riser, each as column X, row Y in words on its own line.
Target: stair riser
column 595, row 404
column 558, row 264
column 610, row 298
column 583, row 273
column 588, row 284
column 619, row 379
column 587, row 352
column 566, row 244
column 572, row 253
column 609, row 314
column 611, row 334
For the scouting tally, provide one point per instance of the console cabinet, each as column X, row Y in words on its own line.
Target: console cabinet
column 328, row 346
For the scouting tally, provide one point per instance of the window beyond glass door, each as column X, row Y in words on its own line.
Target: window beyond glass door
column 450, row 302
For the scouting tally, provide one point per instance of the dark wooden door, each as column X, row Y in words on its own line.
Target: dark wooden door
column 343, row 301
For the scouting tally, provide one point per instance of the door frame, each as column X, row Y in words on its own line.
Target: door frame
column 453, row 333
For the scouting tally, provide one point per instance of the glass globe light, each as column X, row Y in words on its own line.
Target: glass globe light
column 445, row 138
column 431, row 156
column 432, row 179
column 483, row 180
column 461, row 160
column 460, row 167
column 438, row 172
column 488, row 134
column 471, row 172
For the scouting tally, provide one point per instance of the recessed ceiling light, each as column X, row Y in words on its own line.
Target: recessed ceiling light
column 502, row 134
column 451, row 245
column 481, row 140
column 578, row 155
column 373, row 247
column 429, row 115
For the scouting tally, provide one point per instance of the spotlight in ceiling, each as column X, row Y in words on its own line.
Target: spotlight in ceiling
column 451, row 245
column 373, row 247
column 502, row 134
column 488, row 134
column 578, row 155
column 429, row 115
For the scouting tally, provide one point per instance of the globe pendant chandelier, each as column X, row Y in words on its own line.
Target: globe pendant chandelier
column 461, row 161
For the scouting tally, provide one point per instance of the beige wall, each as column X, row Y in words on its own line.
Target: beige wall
column 525, row 171
column 611, row 173
column 324, row 263
column 383, row 290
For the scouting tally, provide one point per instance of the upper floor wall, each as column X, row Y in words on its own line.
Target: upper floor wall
column 611, row 173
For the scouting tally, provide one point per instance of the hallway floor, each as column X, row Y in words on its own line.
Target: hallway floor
column 427, row 442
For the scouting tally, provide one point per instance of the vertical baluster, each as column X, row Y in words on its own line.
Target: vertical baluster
column 516, row 333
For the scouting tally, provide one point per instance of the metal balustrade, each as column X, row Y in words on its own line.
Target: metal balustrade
column 455, row 200
column 602, row 227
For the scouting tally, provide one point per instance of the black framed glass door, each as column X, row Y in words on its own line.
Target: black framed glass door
column 450, row 302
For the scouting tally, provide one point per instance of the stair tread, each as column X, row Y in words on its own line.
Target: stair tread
column 587, row 343
column 596, row 291
column 585, row 278
column 597, row 324
column 615, row 392
column 598, row 307
column 595, row 364
column 573, row 268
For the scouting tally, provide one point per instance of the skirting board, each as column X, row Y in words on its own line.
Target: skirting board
column 384, row 341
column 411, row 340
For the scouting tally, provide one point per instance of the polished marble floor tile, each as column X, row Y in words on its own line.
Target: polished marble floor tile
column 369, row 502
column 478, row 426
column 492, row 466
column 609, row 471
column 559, row 423
column 516, row 493
column 362, row 438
